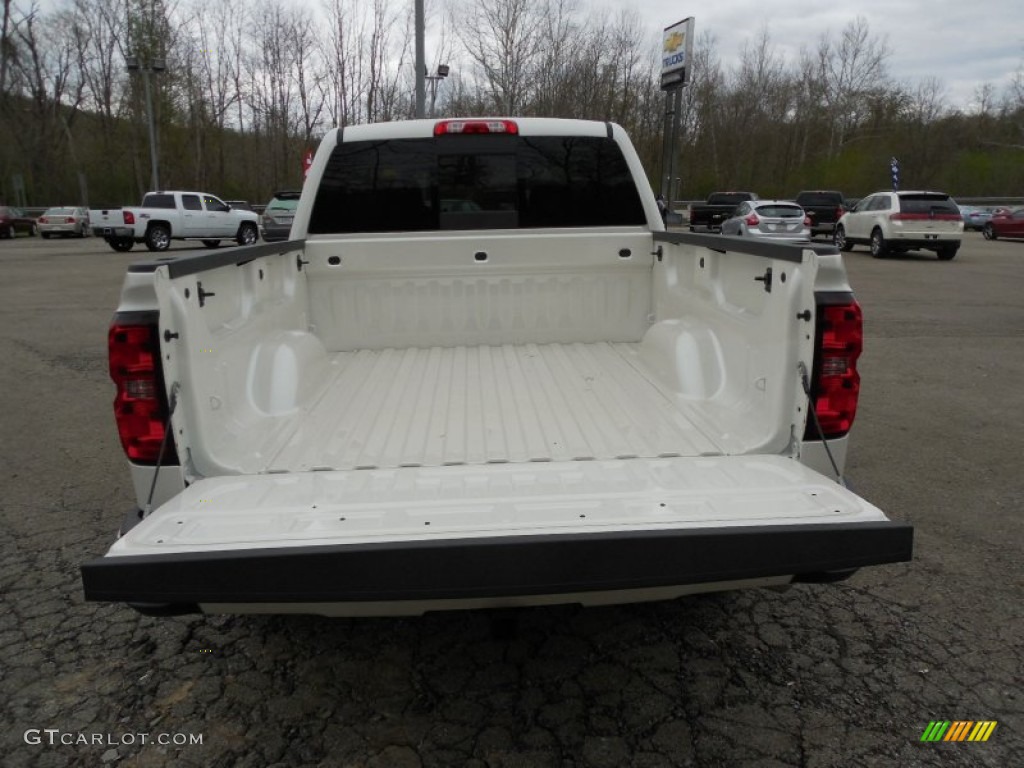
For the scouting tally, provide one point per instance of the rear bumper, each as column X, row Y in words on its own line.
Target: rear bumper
column 465, row 568
column 60, row 229
column 922, row 241
column 111, row 232
column 275, row 232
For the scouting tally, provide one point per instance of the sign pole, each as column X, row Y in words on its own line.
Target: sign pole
column 674, row 117
column 676, row 52
column 666, row 145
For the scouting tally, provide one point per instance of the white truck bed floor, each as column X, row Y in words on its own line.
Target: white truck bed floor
column 487, row 404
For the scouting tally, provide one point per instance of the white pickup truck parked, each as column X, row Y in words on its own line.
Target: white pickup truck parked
column 166, row 216
column 484, row 376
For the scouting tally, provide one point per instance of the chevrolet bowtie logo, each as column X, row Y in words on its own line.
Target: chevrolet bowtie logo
column 674, row 41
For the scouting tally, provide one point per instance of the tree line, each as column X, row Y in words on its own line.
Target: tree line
column 246, row 87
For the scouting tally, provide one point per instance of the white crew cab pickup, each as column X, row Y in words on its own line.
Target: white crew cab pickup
column 483, row 374
column 166, row 216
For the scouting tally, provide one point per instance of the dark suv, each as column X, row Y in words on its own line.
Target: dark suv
column 276, row 221
column 823, row 207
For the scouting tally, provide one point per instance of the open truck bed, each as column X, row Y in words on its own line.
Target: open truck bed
column 403, row 480
column 485, row 377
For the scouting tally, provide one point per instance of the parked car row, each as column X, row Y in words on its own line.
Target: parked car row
column 744, row 214
column 14, row 220
column 887, row 222
column 1004, row 223
column 275, row 221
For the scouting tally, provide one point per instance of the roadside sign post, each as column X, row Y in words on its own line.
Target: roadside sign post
column 676, row 53
column 894, row 169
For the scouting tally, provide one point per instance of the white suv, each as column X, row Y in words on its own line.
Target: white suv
column 896, row 222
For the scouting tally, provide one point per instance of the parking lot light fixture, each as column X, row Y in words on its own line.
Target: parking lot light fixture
column 441, row 74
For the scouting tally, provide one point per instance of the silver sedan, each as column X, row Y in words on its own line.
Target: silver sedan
column 769, row 220
column 63, row 222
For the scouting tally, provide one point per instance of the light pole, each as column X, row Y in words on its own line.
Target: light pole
column 442, row 73
column 421, row 66
column 157, row 65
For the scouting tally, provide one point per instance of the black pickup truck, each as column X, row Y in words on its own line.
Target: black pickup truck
column 718, row 207
column 823, row 207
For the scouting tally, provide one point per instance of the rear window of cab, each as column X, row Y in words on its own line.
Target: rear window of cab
column 927, row 203
column 475, row 182
column 158, row 200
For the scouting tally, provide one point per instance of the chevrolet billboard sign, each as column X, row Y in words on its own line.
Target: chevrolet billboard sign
column 676, row 49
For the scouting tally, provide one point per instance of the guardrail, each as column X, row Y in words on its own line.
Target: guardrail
column 36, row 211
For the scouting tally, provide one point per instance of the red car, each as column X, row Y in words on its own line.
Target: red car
column 14, row 220
column 1004, row 224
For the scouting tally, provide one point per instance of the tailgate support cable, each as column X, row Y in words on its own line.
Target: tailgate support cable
column 163, row 448
column 805, row 381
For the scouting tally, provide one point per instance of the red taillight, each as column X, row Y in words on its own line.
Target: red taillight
column 752, row 220
column 807, row 221
column 129, row 217
column 836, row 384
column 839, row 212
column 140, row 406
column 449, row 127
column 69, row 220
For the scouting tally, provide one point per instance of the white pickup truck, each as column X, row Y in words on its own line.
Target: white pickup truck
column 484, row 375
column 166, row 216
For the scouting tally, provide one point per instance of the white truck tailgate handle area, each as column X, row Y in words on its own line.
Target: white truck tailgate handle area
column 493, row 530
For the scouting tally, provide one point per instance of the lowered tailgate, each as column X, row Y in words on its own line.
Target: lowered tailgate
column 419, row 536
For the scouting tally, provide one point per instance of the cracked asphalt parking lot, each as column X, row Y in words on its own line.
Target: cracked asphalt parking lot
column 826, row 675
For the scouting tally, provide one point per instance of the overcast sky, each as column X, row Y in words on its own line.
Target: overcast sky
column 963, row 43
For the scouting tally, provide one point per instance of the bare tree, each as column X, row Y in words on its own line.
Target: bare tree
column 45, row 79
column 99, row 37
column 561, row 45
column 851, row 72
column 340, row 51
column 384, row 73
column 503, row 39
column 701, row 113
column 308, row 76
